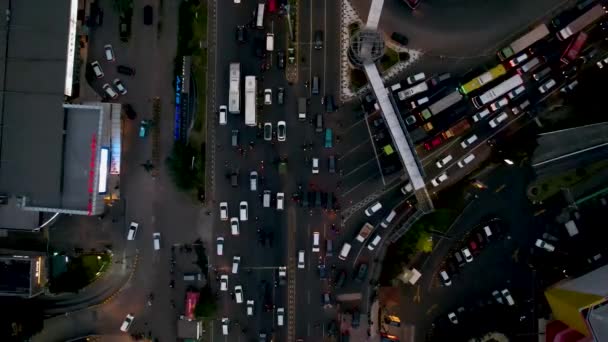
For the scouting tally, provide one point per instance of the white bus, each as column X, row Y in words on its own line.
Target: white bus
column 234, row 95
column 409, row 92
column 259, row 21
column 496, row 92
column 250, row 100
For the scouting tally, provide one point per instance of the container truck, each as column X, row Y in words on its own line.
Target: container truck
column 456, row 130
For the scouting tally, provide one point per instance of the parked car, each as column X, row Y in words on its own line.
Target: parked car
column 267, row 96
column 120, row 86
column 109, row 91
column 544, row 245
column 267, row 131
column 281, row 131
column 126, row 324
column 109, row 53
column 125, row 70
column 97, row 69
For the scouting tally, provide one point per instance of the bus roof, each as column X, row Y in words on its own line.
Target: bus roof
column 482, row 79
column 581, row 22
column 498, row 90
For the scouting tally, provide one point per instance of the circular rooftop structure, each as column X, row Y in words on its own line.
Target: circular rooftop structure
column 366, row 46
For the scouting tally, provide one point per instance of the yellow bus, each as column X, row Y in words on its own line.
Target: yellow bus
column 482, row 79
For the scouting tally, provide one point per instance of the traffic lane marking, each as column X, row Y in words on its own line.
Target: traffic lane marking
column 353, row 188
column 342, row 156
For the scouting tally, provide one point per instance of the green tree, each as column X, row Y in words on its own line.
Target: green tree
column 207, row 305
column 123, row 6
column 180, row 166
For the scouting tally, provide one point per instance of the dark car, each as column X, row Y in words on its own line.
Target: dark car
column 340, row 279
column 129, row 112
column 318, row 40
column 125, row 70
column 399, row 38
column 241, row 34
column 281, row 59
column 330, row 105
column 148, row 15
column 259, row 47
column 280, row 95
column 361, row 273
column 356, row 321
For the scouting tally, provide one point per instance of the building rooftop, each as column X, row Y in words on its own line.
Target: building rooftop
column 33, row 81
column 21, row 275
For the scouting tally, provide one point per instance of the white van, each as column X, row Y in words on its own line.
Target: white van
column 301, row 261
column 156, row 238
column 236, row 261
column 225, row 326
column 238, row 294
column 344, row 251
column 269, row 41
column 280, row 200
column 280, row 316
column 266, row 199
column 387, row 220
column 466, row 160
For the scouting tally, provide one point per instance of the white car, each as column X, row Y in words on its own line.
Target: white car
column 452, row 317
column 516, row 92
column 508, row 297
column 132, row 230
column 468, row 141
column 267, row 96
column 467, row 254
column 97, row 69
column 244, row 211
column 518, row 60
column 407, row 188
column 109, row 91
column 544, row 245
column 281, row 131
column 223, row 115
column 498, row 119
column 238, row 294
column 253, row 181
column 443, row 161
column 120, row 86
column 481, row 115
column 499, row 104
column 301, row 261
column 250, row 307
column 224, row 282
column 156, row 241
column 374, row 243
column 315, row 166
column 546, row 86
column 466, row 160
column 126, row 324
column 220, row 245
column 234, row 226
column 416, row 78
column 224, row 211
column 439, row 179
column 109, row 53
column 497, row 296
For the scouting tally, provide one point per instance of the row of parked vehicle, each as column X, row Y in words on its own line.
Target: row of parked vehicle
column 478, row 238
column 119, row 87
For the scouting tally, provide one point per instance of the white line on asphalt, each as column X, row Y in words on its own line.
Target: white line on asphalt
column 344, row 132
column 358, row 185
column 324, row 47
column 310, row 54
column 357, row 168
column 375, row 153
column 352, row 150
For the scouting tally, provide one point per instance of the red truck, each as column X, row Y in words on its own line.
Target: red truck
column 457, row 129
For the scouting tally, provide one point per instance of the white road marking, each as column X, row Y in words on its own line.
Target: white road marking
column 352, row 150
